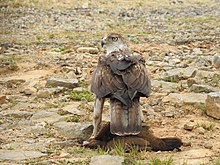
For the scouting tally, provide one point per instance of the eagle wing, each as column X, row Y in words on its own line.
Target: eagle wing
column 121, row 79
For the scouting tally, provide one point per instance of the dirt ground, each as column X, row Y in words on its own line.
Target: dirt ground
column 41, row 39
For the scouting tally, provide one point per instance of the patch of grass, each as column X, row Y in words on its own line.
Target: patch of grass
column 202, row 108
column 54, row 105
column 157, row 161
column 207, row 126
column 73, row 118
column 64, row 50
column 78, row 150
column 216, row 162
column 62, row 112
column 82, row 95
column 173, row 79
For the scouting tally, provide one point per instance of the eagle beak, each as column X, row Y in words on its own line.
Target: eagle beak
column 103, row 43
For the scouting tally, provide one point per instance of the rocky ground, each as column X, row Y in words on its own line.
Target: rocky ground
column 49, row 50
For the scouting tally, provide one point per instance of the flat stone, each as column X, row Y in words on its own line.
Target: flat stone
column 68, row 83
column 74, row 130
column 213, row 105
column 203, row 88
column 43, row 93
column 185, row 98
column 205, row 74
column 45, row 116
column 73, row 108
column 87, row 50
column 107, row 160
column 19, row 154
column 189, row 126
column 29, row 90
column 3, row 99
column 180, row 73
column 169, row 114
column 166, row 86
column 201, row 130
column 192, row 156
column 208, row 145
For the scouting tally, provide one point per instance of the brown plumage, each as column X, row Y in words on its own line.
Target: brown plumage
column 123, row 78
column 146, row 140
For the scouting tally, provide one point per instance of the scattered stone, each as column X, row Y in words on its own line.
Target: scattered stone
column 19, row 154
column 213, row 105
column 189, row 126
column 43, row 93
column 87, row 50
column 201, row 130
column 45, row 116
column 203, row 88
column 205, row 74
column 208, row 145
column 179, row 74
column 186, row 144
column 29, row 90
column 68, row 83
column 73, row 108
column 186, row 98
column 167, row 86
column 216, row 61
column 3, row 99
column 107, row 160
column 169, row 114
column 39, row 128
column 74, row 130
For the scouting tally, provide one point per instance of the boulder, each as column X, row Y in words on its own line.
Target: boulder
column 185, row 98
column 203, row 88
column 179, row 74
column 19, row 154
column 45, row 116
column 213, row 105
column 74, row 130
column 68, row 83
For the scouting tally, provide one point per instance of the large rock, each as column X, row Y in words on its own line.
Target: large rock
column 203, row 88
column 68, row 83
column 74, row 130
column 166, row 86
column 213, row 105
column 107, row 160
column 19, row 154
column 185, row 98
column 45, row 116
column 179, row 73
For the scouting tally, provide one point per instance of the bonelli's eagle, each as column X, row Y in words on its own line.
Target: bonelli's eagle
column 123, row 78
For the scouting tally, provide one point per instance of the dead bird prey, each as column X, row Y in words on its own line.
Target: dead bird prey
column 123, row 78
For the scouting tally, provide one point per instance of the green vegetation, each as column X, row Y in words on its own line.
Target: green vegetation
column 157, row 161
column 82, row 95
column 207, row 126
column 202, row 108
column 73, row 118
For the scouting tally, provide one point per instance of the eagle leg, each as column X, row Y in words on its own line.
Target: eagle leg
column 97, row 116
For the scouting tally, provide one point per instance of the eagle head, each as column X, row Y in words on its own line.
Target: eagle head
column 114, row 42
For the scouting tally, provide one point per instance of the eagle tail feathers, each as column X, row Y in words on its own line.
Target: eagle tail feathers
column 125, row 120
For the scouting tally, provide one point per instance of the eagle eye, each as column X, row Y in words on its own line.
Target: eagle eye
column 114, row 39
